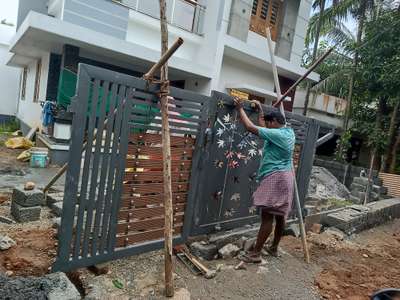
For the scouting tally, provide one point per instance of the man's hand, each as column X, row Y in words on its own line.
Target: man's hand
column 238, row 103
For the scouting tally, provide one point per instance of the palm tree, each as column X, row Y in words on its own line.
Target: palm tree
column 321, row 5
column 331, row 24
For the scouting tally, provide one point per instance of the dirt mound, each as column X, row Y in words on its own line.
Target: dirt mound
column 33, row 254
column 323, row 185
column 354, row 269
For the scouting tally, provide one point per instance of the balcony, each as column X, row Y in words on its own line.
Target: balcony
column 185, row 14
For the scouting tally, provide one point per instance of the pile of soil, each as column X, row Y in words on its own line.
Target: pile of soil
column 32, row 256
column 356, row 267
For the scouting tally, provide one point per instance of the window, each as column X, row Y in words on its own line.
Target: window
column 266, row 13
column 23, row 83
column 37, row 81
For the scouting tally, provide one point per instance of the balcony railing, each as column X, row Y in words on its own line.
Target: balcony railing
column 185, row 14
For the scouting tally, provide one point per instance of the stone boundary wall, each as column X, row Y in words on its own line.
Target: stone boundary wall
column 338, row 170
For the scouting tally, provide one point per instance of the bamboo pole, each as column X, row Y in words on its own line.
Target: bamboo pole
column 296, row 190
column 294, row 85
column 169, row 280
column 164, row 58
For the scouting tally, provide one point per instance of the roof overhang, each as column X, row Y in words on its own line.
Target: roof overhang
column 40, row 34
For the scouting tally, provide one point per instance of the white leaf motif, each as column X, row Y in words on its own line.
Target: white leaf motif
column 227, row 118
column 252, row 152
column 220, row 132
column 221, row 143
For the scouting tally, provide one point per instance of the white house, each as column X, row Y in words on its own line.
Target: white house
column 9, row 76
column 225, row 46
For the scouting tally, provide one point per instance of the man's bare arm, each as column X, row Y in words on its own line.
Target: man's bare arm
column 261, row 120
column 248, row 124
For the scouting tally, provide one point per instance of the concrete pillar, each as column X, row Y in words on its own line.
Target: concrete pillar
column 53, row 77
column 239, row 19
column 287, row 28
column 70, row 58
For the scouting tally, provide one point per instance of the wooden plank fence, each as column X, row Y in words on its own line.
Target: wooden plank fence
column 392, row 183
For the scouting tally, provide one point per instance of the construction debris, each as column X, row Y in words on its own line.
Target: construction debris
column 241, row 266
column 323, row 185
column 6, row 242
column 26, row 204
column 54, row 286
column 18, row 143
column 204, row 250
column 228, row 251
column 29, row 186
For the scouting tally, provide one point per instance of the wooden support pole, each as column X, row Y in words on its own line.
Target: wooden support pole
column 164, row 58
column 169, row 280
column 296, row 190
column 314, row 65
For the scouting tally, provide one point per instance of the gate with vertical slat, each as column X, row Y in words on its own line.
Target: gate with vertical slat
column 113, row 199
column 113, row 202
column 230, row 162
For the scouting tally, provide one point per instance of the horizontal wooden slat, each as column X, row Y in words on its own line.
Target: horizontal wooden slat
column 147, row 224
column 177, row 153
column 155, row 176
column 149, row 188
column 132, row 201
column 156, row 128
column 156, row 139
column 176, row 165
column 392, row 183
column 148, row 212
column 173, row 121
column 130, row 239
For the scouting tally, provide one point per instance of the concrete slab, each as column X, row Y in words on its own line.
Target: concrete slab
column 24, row 198
column 356, row 218
column 25, row 214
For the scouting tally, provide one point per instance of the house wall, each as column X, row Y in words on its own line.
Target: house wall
column 99, row 15
column 29, row 112
column 322, row 107
column 303, row 17
column 25, row 6
column 9, row 85
column 234, row 71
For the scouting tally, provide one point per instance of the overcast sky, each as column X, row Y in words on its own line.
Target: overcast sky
column 8, row 11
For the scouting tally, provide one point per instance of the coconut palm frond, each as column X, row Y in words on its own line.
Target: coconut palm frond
column 332, row 15
column 342, row 37
column 333, row 82
column 341, row 11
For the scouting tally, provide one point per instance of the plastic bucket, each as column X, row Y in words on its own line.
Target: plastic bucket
column 39, row 157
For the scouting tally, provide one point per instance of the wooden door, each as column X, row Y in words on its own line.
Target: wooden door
column 266, row 13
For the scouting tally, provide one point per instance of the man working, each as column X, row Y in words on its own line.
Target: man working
column 275, row 192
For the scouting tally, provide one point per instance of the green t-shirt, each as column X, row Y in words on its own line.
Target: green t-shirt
column 278, row 150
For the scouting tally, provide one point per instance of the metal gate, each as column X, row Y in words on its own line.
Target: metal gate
column 229, row 166
column 113, row 202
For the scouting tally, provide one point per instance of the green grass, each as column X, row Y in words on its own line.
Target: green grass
column 10, row 126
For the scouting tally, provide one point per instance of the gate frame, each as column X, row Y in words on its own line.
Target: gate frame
column 85, row 73
column 302, row 175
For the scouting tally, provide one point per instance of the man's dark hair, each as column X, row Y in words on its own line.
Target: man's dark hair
column 274, row 116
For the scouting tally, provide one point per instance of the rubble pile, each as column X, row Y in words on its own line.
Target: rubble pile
column 323, row 185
